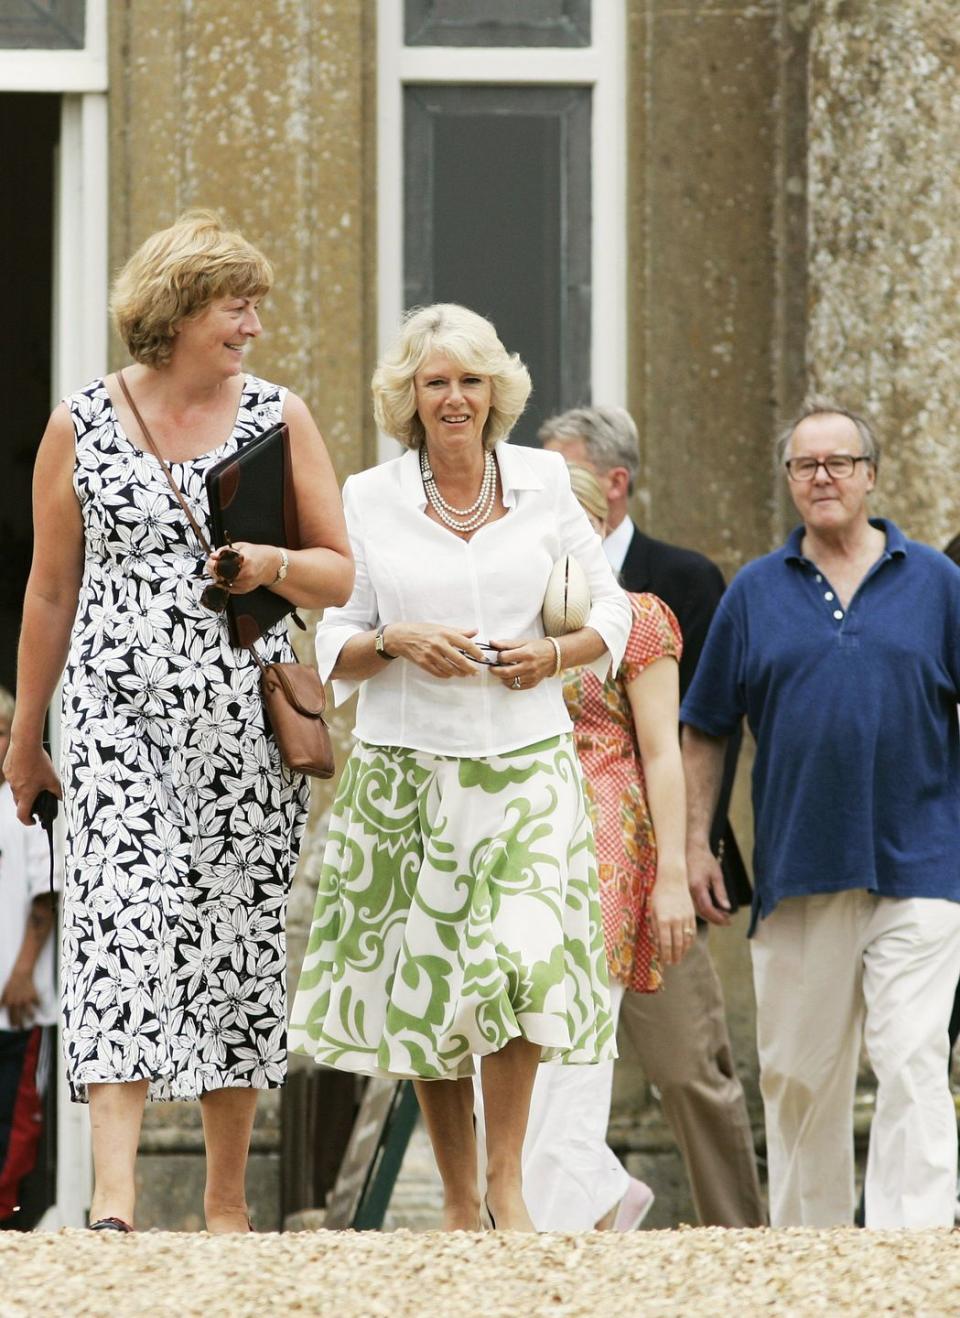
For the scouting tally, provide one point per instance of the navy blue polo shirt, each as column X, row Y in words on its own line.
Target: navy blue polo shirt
column 856, row 782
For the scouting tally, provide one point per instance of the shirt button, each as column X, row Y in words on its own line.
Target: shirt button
column 819, row 577
column 838, row 614
column 828, row 595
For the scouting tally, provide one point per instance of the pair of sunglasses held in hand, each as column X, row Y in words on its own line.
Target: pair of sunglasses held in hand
column 216, row 595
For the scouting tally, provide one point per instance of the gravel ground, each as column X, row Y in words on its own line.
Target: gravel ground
column 76, row 1274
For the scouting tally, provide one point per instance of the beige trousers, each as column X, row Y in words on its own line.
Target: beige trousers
column 832, row 971
column 680, row 1036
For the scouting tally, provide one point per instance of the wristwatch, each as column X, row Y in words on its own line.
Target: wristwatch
column 378, row 643
column 282, row 569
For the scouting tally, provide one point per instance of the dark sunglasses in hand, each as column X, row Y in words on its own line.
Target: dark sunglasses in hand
column 215, row 596
column 490, row 654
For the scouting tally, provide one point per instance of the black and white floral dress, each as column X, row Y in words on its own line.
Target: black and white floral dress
column 183, row 826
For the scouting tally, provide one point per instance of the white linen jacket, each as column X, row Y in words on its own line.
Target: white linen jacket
column 411, row 569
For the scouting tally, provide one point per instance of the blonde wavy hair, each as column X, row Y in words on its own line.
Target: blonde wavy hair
column 468, row 339
column 588, row 490
column 175, row 275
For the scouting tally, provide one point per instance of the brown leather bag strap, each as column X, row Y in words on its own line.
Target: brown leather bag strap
column 197, row 529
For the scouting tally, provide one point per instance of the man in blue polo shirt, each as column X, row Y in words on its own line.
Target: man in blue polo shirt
column 843, row 651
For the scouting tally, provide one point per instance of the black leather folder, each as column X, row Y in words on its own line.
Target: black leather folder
column 252, row 498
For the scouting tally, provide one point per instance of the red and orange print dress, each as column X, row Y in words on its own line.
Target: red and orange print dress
column 607, row 745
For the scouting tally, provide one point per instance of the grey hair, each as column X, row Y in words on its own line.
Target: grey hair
column 608, row 433
column 819, row 406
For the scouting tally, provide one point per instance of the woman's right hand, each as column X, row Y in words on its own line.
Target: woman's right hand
column 437, row 650
column 29, row 771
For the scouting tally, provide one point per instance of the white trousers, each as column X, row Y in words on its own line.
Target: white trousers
column 832, row 971
column 571, row 1177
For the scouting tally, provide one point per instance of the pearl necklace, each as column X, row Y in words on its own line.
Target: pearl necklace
column 461, row 519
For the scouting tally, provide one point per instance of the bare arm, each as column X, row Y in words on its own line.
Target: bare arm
column 655, row 701
column 19, row 994
column 49, row 608
column 703, row 758
column 321, row 572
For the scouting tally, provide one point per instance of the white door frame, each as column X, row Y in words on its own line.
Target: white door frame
column 600, row 66
column 79, row 344
column 78, row 353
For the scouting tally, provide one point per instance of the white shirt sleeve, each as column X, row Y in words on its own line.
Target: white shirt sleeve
column 609, row 607
column 359, row 614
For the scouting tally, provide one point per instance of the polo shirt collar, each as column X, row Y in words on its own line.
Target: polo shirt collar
column 896, row 541
column 516, row 473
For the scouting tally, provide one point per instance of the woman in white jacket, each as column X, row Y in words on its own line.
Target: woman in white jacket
column 457, row 913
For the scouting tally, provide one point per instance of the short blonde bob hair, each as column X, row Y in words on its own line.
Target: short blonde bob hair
column 471, row 341
column 176, row 274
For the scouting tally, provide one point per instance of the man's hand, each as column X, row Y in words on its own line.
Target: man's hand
column 707, row 888
column 20, row 998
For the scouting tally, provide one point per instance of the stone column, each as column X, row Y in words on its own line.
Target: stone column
column 264, row 113
column 884, row 197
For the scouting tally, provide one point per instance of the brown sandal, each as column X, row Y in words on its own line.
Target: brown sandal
column 111, row 1224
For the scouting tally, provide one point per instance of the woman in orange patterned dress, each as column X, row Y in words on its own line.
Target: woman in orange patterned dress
column 626, row 735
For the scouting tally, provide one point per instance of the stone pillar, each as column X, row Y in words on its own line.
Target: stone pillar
column 884, row 197
column 264, row 113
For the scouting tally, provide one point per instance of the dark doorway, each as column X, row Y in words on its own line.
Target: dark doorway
column 29, row 131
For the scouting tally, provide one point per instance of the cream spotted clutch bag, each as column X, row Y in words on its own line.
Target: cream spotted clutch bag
column 566, row 604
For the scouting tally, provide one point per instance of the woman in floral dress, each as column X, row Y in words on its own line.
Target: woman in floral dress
column 183, row 825
column 625, row 730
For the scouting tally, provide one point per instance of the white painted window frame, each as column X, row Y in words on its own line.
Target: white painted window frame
column 61, row 70
column 79, row 353
column 602, row 67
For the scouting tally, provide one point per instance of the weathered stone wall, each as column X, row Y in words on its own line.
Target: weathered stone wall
column 265, row 114
column 884, row 239
column 704, row 84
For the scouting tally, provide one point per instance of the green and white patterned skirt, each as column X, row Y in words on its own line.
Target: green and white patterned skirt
column 457, row 909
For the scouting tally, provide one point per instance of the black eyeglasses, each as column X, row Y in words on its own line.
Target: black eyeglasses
column 215, row 596
column 838, row 466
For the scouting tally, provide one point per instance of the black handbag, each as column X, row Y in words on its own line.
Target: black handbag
column 251, row 497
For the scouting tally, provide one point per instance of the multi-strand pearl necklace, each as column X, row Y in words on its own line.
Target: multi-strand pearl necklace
column 461, row 519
